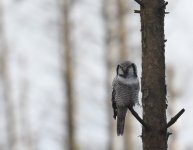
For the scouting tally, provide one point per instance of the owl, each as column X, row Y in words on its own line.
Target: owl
column 125, row 92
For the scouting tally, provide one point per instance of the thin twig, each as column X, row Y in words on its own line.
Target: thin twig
column 164, row 5
column 137, row 117
column 168, row 134
column 137, row 11
column 174, row 119
column 140, row 3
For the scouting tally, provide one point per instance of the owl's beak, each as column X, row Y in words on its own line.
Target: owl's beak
column 125, row 73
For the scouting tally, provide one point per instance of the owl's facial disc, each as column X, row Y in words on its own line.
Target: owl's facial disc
column 130, row 70
column 122, row 72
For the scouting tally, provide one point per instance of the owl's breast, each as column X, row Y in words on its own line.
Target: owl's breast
column 126, row 94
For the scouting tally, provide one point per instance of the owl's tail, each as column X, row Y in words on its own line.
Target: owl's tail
column 121, row 120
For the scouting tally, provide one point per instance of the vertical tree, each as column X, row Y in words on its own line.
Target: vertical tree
column 109, row 61
column 153, row 74
column 123, row 8
column 9, row 104
column 115, row 13
column 26, row 136
column 122, row 28
column 7, row 89
column 154, row 133
column 69, row 75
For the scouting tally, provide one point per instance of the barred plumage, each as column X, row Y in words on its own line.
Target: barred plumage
column 125, row 92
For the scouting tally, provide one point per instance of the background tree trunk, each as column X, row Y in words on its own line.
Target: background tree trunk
column 153, row 74
column 12, row 138
column 26, row 134
column 123, row 8
column 108, row 15
column 122, row 28
column 69, row 76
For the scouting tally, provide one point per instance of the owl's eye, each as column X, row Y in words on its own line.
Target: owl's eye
column 121, row 71
column 130, row 70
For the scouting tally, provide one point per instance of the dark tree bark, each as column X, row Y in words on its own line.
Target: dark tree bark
column 153, row 74
column 69, row 76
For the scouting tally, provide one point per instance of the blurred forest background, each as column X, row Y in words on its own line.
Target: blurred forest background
column 57, row 62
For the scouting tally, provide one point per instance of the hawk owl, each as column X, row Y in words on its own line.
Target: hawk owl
column 125, row 92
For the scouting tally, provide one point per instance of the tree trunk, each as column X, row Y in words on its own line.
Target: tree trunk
column 9, row 105
column 26, row 134
column 12, row 138
column 122, row 28
column 69, row 76
column 109, row 63
column 153, row 74
column 124, row 53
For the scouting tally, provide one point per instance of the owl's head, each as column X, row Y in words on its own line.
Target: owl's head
column 126, row 69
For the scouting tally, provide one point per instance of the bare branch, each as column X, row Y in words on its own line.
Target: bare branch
column 168, row 134
column 137, row 11
column 140, row 3
column 138, row 118
column 174, row 119
column 164, row 5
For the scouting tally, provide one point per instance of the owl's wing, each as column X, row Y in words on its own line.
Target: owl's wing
column 114, row 101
